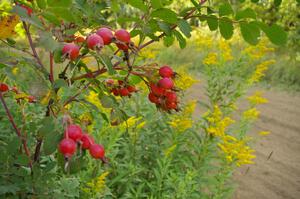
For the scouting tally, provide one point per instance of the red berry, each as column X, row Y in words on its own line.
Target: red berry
column 28, row 10
column 71, row 50
column 122, row 47
column 166, row 83
column 122, row 35
column 171, row 105
column 171, row 96
column 94, row 41
column 31, row 99
column 97, row 151
column 109, row 82
column 3, row 87
column 120, row 82
column 115, row 91
column 67, row 147
column 131, row 89
column 157, row 90
column 74, row 132
column 79, row 39
column 86, row 140
column 106, row 35
column 166, row 71
column 124, row 92
column 152, row 98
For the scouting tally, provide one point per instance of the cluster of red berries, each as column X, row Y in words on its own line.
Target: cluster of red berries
column 96, row 41
column 163, row 93
column 5, row 88
column 73, row 136
column 121, row 89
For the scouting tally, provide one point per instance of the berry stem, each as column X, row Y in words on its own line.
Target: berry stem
column 51, row 78
column 11, row 119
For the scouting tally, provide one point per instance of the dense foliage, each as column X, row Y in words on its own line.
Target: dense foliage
column 70, row 68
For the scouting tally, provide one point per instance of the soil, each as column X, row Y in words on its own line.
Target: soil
column 276, row 172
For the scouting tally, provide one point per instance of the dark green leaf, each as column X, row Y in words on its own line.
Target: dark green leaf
column 51, row 142
column 108, row 101
column 165, row 14
column 51, row 18
column 22, row 159
column 105, row 60
column 63, row 13
column 185, row 28
column 247, row 13
column 169, row 40
column 138, row 4
column 225, row 9
column 277, row 2
column 3, row 65
column 180, row 39
column 255, row 1
column 48, row 126
column 46, row 41
column 275, row 33
column 212, row 22
column 226, row 27
column 164, row 27
column 60, row 83
column 250, row 32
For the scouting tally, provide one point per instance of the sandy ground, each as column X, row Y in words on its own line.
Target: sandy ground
column 276, row 172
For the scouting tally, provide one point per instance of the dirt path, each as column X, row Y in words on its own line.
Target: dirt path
column 279, row 176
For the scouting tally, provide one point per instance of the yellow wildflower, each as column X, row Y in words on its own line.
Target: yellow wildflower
column 226, row 50
column 236, row 150
column 7, row 26
column 93, row 98
column 181, row 124
column 184, row 80
column 218, row 123
column 251, row 114
column 132, row 122
column 97, row 185
column 170, row 150
column 211, row 59
column 257, row 98
column 258, row 51
column 259, row 71
column 263, row 133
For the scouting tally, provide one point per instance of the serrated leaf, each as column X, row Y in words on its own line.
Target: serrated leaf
column 164, row 27
column 51, row 142
column 226, row 27
column 250, row 32
column 46, row 41
column 168, row 40
column 185, row 28
column 165, row 14
column 247, row 13
column 180, row 39
column 138, row 4
column 277, row 2
column 105, row 60
column 212, row 22
column 225, row 9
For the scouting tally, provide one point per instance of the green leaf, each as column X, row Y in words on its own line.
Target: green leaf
column 3, row 65
column 254, row 1
column 180, row 39
column 51, row 18
column 185, row 28
column 46, row 41
column 225, row 9
column 51, row 142
column 60, row 83
column 277, row 2
column 165, row 27
column 168, row 40
column 48, row 126
column 212, row 22
column 138, row 4
column 62, row 12
column 275, row 33
column 247, row 13
column 165, row 14
column 108, row 101
column 134, row 79
column 59, row 3
column 34, row 20
column 250, row 32
column 22, row 159
column 156, row 4
column 226, row 27
column 105, row 60
column 41, row 4
column 70, row 187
